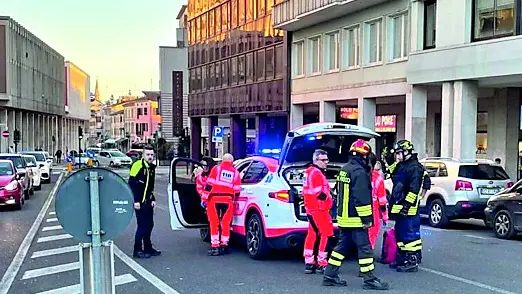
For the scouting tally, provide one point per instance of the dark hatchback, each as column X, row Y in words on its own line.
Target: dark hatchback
column 504, row 212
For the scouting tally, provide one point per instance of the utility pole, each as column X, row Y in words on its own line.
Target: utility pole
column 16, row 139
column 80, row 137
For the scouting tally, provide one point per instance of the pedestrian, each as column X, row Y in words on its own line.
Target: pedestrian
column 354, row 217
column 222, row 186
column 318, row 202
column 405, row 198
column 141, row 182
column 202, row 174
column 58, row 156
column 379, row 201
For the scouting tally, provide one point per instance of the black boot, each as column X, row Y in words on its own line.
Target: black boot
column 153, row 252
column 331, row 277
column 223, row 249
column 213, row 251
column 373, row 283
column 321, row 269
column 140, row 254
column 309, row 269
column 411, row 264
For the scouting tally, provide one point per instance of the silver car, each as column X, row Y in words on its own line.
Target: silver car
column 112, row 159
column 460, row 189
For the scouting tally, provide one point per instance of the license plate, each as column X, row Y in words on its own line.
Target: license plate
column 488, row 191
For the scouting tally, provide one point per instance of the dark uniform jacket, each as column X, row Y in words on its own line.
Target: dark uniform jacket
column 141, row 181
column 408, row 181
column 354, row 197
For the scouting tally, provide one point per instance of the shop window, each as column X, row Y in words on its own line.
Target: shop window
column 351, row 41
column 430, row 23
column 493, row 18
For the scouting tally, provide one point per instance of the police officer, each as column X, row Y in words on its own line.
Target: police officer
column 354, row 217
column 141, row 182
column 407, row 184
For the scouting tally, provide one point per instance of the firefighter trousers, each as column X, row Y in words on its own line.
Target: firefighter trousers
column 407, row 233
column 319, row 225
column 145, row 221
column 365, row 253
column 219, row 213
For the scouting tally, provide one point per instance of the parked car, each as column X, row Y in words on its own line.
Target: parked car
column 460, row 188
column 504, row 212
column 21, row 169
column 31, row 163
column 82, row 159
column 49, row 159
column 11, row 190
column 113, row 159
column 269, row 213
column 43, row 165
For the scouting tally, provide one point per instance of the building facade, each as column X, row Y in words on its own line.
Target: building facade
column 444, row 74
column 77, row 108
column 237, row 71
column 32, row 85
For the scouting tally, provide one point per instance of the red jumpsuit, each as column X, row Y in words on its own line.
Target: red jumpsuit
column 201, row 181
column 378, row 200
column 318, row 211
column 222, row 185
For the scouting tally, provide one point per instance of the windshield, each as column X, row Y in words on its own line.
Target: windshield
column 337, row 146
column 117, row 154
column 483, row 172
column 6, row 169
column 39, row 156
column 17, row 161
column 29, row 160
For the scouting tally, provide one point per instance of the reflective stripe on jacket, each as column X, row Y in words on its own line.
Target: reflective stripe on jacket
column 223, row 179
column 141, row 181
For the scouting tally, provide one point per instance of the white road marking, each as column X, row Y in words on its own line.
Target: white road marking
column 470, row 282
column 52, row 213
column 482, row 238
column 55, row 251
column 53, row 219
column 75, row 289
column 56, row 173
column 51, row 228
column 50, row 270
column 16, row 263
column 432, row 229
column 53, row 238
column 159, row 284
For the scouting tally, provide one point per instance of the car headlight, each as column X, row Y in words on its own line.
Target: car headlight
column 11, row 186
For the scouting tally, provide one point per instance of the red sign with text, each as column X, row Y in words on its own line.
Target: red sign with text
column 385, row 123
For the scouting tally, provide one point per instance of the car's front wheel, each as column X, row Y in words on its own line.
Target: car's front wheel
column 256, row 244
column 503, row 225
column 437, row 214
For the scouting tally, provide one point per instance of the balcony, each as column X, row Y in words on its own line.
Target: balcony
column 292, row 15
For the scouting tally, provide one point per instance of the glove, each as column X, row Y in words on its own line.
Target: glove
column 204, row 204
column 322, row 196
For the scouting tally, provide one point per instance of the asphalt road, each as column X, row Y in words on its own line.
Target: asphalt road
column 466, row 258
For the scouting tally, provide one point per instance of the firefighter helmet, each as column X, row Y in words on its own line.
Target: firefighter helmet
column 361, row 147
column 403, row 145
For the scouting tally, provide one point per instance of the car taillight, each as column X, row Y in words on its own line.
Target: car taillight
column 463, row 186
column 282, row 195
column 509, row 185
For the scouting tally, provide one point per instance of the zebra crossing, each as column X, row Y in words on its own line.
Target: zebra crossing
column 59, row 253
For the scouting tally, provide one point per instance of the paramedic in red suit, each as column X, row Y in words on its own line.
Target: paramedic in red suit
column 223, row 184
column 201, row 178
column 317, row 202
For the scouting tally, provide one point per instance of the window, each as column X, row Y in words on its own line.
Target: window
column 270, row 63
column 332, row 51
column 250, row 67
column 279, row 61
column 241, row 68
column 314, row 55
column 436, row 169
column 298, row 62
column 255, row 173
column 430, row 23
column 145, row 111
column 260, row 68
column 224, row 72
column 397, row 37
column 373, row 42
column 217, row 77
column 233, row 67
column 483, row 172
column 494, row 18
column 351, row 47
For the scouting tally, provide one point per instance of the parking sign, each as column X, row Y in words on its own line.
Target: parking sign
column 217, row 134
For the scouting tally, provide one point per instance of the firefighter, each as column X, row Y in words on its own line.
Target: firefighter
column 388, row 159
column 354, row 217
column 405, row 198
column 318, row 202
column 141, row 182
column 223, row 184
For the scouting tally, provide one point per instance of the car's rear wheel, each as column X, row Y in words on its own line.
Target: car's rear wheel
column 503, row 225
column 204, row 234
column 437, row 214
column 256, row 244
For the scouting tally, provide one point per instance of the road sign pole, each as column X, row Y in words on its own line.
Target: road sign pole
column 96, row 235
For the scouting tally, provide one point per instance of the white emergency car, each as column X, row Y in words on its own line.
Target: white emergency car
column 269, row 213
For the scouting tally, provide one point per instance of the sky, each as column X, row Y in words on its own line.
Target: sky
column 115, row 41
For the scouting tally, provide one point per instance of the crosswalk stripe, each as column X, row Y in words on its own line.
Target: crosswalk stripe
column 52, row 213
column 51, row 270
column 74, row 289
column 51, row 228
column 53, row 219
column 55, row 251
column 53, row 238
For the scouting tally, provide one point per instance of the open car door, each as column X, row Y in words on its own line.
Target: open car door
column 184, row 201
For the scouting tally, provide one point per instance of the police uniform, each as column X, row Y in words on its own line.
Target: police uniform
column 141, row 182
column 354, row 209
column 408, row 184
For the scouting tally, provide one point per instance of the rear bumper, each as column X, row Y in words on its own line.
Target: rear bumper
column 466, row 209
column 9, row 197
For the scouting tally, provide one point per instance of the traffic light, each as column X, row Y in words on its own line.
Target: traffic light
column 17, row 136
column 80, row 131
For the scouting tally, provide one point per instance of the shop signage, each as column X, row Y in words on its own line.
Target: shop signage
column 385, row 123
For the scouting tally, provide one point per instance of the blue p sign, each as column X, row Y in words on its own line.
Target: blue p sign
column 217, row 134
